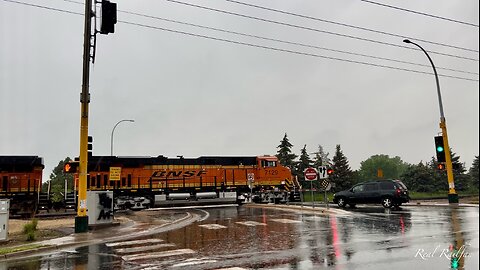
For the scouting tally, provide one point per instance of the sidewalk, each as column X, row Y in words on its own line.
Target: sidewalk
column 115, row 232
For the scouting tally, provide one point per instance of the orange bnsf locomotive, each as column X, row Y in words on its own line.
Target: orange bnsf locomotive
column 143, row 182
column 21, row 182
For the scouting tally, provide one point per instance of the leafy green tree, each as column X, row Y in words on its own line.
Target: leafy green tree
column 342, row 175
column 321, row 157
column 420, row 178
column 284, row 153
column 57, row 182
column 303, row 163
column 392, row 168
column 473, row 173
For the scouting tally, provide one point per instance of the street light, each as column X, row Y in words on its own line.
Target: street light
column 452, row 195
column 113, row 130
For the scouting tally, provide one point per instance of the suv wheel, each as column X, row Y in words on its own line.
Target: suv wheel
column 341, row 202
column 387, row 202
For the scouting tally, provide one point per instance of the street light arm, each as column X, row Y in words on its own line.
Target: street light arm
column 113, row 130
column 442, row 115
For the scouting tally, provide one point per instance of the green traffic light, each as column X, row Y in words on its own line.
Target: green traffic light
column 439, row 149
column 454, row 263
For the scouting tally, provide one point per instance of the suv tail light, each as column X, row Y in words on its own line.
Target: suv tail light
column 399, row 191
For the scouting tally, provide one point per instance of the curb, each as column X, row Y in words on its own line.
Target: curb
column 46, row 248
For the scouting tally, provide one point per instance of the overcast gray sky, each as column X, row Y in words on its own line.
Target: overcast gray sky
column 195, row 96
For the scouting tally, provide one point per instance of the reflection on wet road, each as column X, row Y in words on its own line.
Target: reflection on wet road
column 239, row 238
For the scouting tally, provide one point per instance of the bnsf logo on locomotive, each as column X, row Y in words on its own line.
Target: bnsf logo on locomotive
column 180, row 174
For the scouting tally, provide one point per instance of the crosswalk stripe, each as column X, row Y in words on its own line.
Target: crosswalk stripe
column 212, row 226
column 155, row 255
column 134, row 242
column 251, row 223
column 143, row 248
column 283, row 220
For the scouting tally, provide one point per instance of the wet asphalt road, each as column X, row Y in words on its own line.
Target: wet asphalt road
column 238, row 238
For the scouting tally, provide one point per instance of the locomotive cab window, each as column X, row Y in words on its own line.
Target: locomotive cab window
column 269, row 163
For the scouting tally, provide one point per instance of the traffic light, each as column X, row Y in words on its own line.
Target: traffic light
column 109, row 17
column 70, row 167
column 90, row 146
column 441, row 166
column 440, row 149
column 329, row 171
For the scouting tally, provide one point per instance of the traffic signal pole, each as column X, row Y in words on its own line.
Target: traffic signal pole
column 452, row 194
column 81, row 220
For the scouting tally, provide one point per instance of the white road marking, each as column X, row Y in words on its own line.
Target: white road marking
column 251, row 223
column 194, row 261
column 206, row 216
column 232, row 268
column 212, row 226
column 155, row 255
column 134, row 242
column 143, row 248
column 284, row 220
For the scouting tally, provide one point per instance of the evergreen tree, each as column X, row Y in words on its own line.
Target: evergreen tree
column 473, row 174
column 304, row 162
column 321, row 158
column 284, row 153
column 342, row 174
column 461, row 179
column 420, row 178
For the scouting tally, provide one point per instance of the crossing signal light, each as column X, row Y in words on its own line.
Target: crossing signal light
column 70, row 167
column 109, row 17
column 440, row 149
column 441, row 166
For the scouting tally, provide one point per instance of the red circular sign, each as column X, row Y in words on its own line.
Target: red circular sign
column 310, row 174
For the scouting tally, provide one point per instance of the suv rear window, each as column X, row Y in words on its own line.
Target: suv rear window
column 386, row 185
column 401, row 184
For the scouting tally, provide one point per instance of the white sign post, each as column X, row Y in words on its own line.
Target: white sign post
column 311, row 175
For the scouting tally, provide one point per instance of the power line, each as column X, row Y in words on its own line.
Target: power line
column 289, row 51
column 280, row 41
column 420, row 13
column 44, row 7
column 316, row 30
column 287, row 42
column 251, row 45
column 351, row 26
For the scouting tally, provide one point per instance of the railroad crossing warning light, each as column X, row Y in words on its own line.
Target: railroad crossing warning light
column 441, row 166
column 70, row 167
column 440, row 149
column 329, row 171
column 90, row 146
column 109, row 17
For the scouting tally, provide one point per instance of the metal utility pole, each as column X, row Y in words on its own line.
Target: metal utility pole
column 452, row 194
column 81, row 220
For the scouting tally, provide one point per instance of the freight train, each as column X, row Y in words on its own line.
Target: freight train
column 144, row 182
column 21, row 182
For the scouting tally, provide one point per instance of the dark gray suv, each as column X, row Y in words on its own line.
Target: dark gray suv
column 386, row 192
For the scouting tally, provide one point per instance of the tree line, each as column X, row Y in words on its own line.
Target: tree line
column 421, row 177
